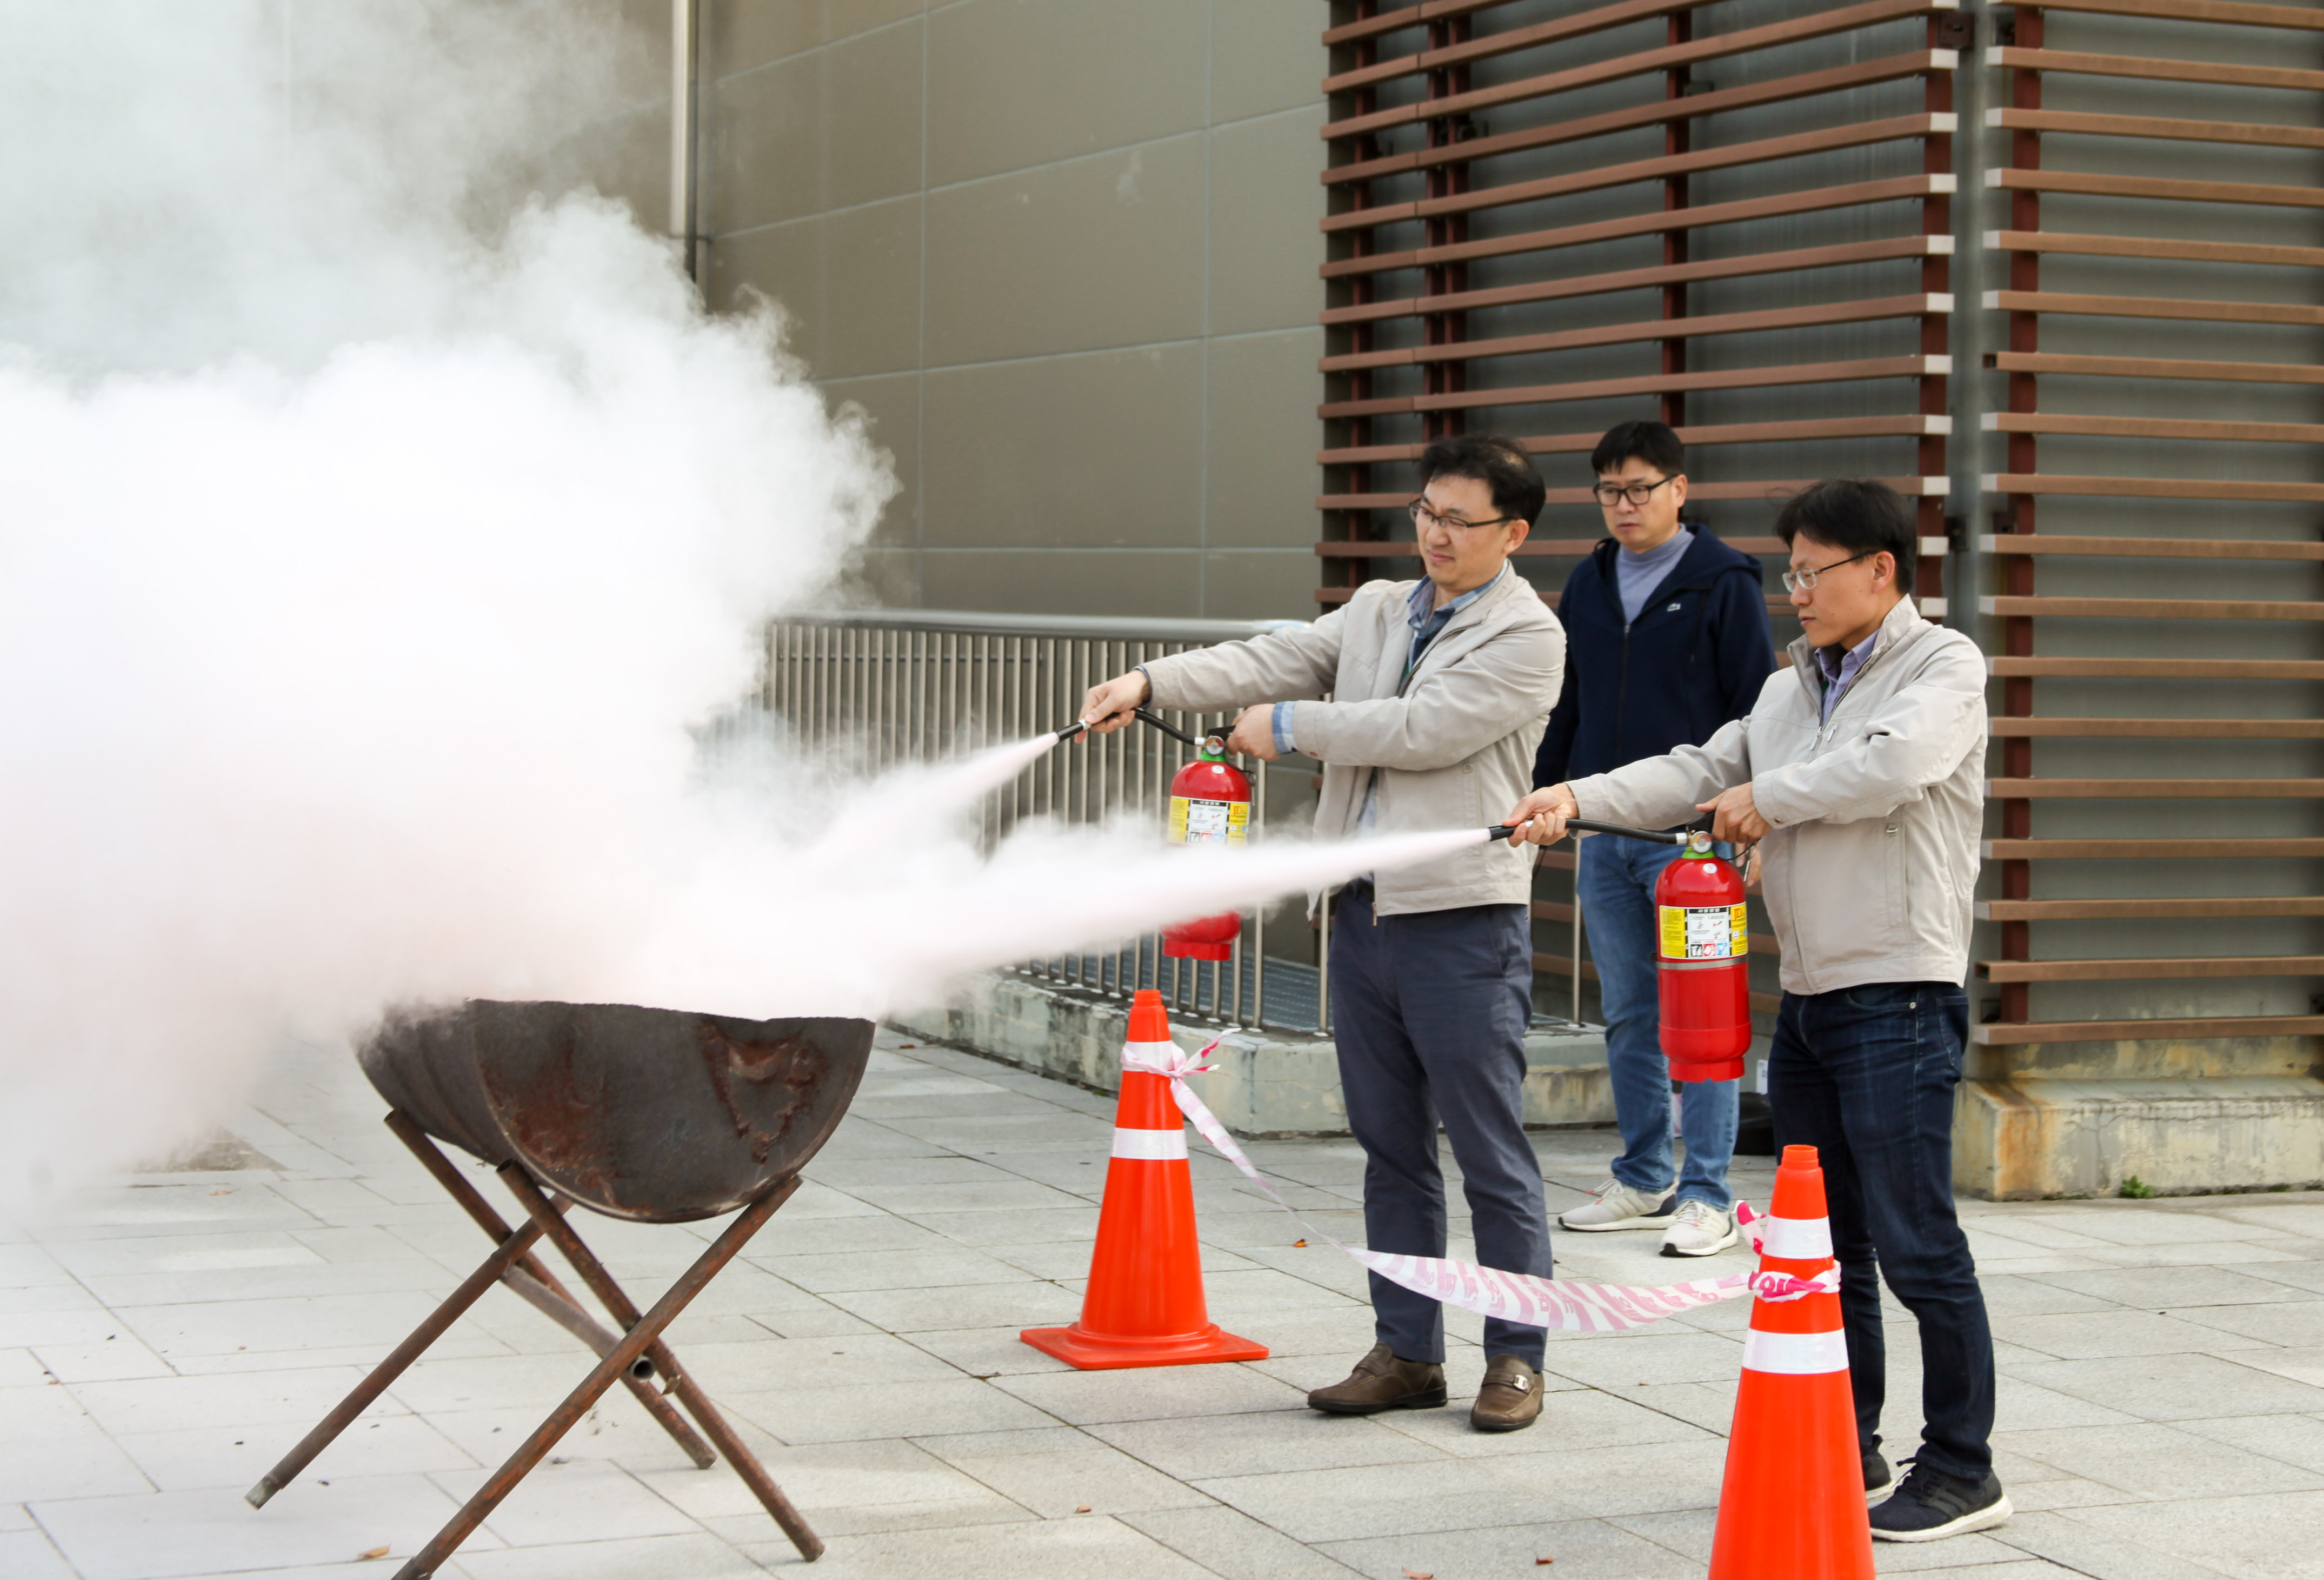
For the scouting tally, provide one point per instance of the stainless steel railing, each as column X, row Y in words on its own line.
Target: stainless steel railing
column 898, row 686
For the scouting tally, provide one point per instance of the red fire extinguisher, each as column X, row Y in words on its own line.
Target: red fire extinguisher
column 1210, row 805
column 1703, row 949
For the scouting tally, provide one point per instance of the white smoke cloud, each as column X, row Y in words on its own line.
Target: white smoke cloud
column 376, row 539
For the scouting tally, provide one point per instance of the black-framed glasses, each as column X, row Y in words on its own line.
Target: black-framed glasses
column 1804, row 581
column 1423, row 518
column 1611, row 494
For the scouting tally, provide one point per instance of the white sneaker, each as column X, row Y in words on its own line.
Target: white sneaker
column 1618, row 1207
column 1700, row 1229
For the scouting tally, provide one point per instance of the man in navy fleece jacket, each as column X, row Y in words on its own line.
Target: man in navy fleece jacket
column 1666, row 640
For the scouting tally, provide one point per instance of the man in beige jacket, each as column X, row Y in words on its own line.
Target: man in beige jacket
column 1860, row 775
column 1440, row 691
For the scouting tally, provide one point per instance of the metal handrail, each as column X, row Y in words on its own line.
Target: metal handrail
column 1101, row 627
column 893, row 686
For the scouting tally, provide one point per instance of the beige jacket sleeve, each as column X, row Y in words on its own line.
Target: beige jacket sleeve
column 1916, row 739
column 1450, row 714
column 1662, row 792
column 1278, row 666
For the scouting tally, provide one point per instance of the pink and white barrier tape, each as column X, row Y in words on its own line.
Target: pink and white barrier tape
column 1522, row 1297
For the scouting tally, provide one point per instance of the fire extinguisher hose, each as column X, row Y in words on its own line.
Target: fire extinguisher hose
column 1156, row 719
column 1651, row 835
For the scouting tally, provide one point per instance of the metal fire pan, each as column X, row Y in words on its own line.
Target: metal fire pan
column 663, row 1116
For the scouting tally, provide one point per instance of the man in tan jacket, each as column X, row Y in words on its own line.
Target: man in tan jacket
column 1440, row 690
column 1860, row 775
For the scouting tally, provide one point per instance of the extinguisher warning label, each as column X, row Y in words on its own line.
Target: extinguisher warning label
column 1199, row 822
column 1704, row 932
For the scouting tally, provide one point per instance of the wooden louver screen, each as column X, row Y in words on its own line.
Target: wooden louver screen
column 1644, row 240
column 2160, row 159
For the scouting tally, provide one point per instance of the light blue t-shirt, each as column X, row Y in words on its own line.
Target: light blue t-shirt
column 1637, row 576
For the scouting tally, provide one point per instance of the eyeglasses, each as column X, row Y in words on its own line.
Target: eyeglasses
column 1804, row 581
column 1611, row 494
column 1423, row 518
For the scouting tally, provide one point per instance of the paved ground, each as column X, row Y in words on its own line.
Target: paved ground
column 162, row 1342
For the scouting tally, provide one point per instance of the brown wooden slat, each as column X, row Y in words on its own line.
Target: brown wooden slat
column 2162, row 669
column 2150, row 487
column 1654, row 112
column 2115, row 850
column 1560, row 548
column 1661, row 274
column 1552, row 910
column 1506, row 41
column 1745, row 378
column 1814, row 199
column 1864, row 310
column 1718, row 46
column 2155, row 187
column 1910, row 424
column 1761, row 1003
column 1404, row 16
column 2157, row 367
column 2167, row 968
column 2148, row 910
column 2154, row 608
column 2232, row 13
column 2157, row 307
column 2154, row 789
column 1855, row 134
column 1765, row 488
column 2156, row 428
column 2150, row 69
column 2161, row 729
column 2147, row 547
column 2142, row 246
column 2016, row 1033
column 2247, row 132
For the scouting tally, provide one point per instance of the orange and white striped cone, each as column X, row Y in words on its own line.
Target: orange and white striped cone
column 1144, row 1305
column 1791, row 1507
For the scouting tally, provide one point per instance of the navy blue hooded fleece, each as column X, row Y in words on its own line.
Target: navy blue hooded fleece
column 1695, row 658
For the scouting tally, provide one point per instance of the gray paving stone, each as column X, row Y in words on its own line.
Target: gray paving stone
column 1394, row 1500
column 1589, row 1548
column 2077, row 1337
column 1074, row 1548
column 1193, row 1447
column 1647, row 1479
column 693, row 1555
column 1235, row 1546
column 160, row 1534
column 1089, row 1477
column 2170, row 1388
column 28, row 1554
column 868, row 1410
column 2278, row 1536
column 1154, row 1393
column 2155, row 1460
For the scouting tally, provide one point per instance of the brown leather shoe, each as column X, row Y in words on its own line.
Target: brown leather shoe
column 1382, row 1382
column 1509, row 1397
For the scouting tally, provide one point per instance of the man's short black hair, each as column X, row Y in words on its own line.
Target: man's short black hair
column 1649, row 441
column 1860, row 515
column 1500, row 464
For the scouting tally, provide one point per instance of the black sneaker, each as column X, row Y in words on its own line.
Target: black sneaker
column 1931, row 1505
column 1880, row 1481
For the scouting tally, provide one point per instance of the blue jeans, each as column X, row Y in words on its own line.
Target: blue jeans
column 1866, row 1076
column 1616, row 885
column 1429, row 1011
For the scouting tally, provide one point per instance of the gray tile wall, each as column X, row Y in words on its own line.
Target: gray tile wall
column 1062, row 253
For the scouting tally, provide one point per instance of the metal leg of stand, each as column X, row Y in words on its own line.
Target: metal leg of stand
column 470, row 1291
column 698, row 1404
column 635, row 1343
column 540, row 1286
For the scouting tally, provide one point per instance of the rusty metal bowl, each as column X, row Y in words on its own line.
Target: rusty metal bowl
column 662, row 1116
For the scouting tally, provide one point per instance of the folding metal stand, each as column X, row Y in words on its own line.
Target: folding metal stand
column 636, row 1357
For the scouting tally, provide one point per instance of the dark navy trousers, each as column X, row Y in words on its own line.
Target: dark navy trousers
column 1865, row 1077
column 1430, row 1012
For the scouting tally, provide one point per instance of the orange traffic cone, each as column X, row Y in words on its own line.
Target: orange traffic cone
column 1144, row 1305
column 1792, row 1504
